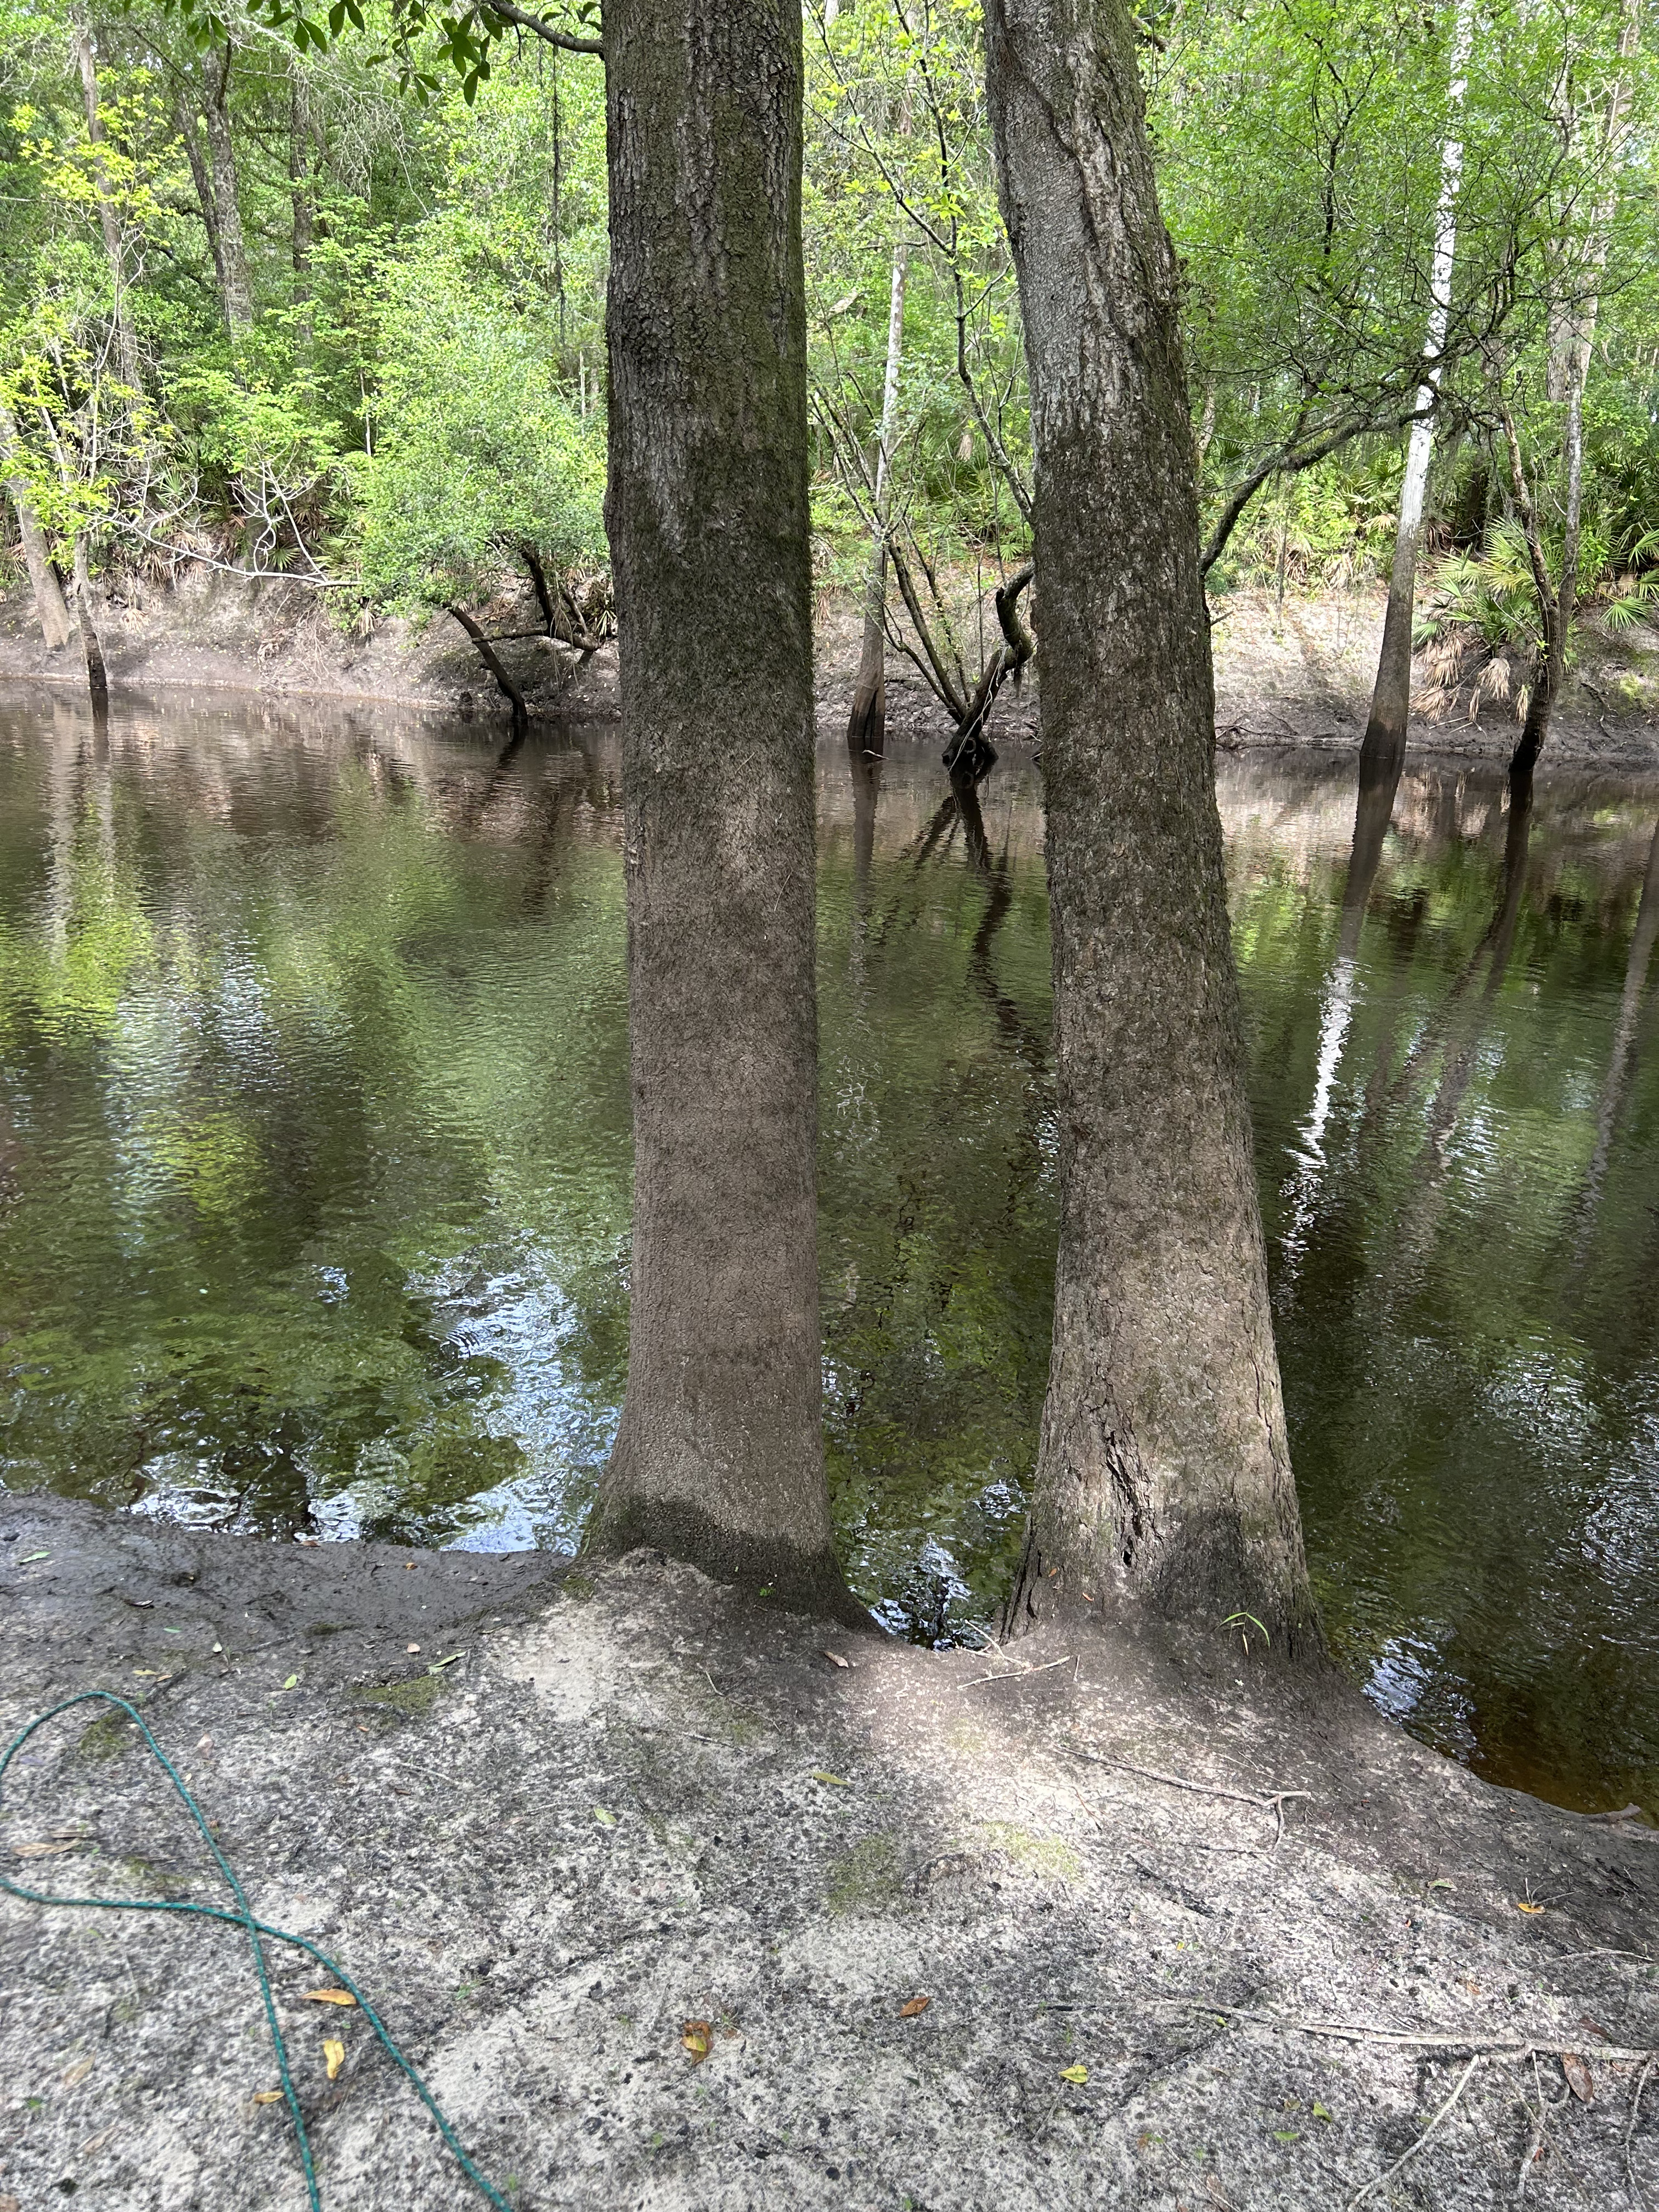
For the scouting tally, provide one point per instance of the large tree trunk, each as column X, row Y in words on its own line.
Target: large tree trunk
column 867, row 726
column 221, row 154
column 1163, row 1476
column 49, row 603
column 720, row 1456
column 1385, row 732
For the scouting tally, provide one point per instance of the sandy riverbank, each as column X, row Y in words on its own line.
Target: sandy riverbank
column 638, row 1800
column 1297, row 676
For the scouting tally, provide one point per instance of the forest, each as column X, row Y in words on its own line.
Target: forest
column 325, row 298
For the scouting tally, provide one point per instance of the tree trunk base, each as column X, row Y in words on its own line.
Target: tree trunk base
column 771, row 1568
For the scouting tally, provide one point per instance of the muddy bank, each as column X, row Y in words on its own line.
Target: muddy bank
column 636, row 1801
column 1296, row 677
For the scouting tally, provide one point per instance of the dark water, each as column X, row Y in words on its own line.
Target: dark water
column 314, row 1176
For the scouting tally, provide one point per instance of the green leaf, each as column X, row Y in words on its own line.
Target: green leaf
column 292, row 1683
column 1319, row 2112
column 29, row 1558
column 839, row 1780
column 1079, row 2074
column 605, row 1819
column 1287, row 2135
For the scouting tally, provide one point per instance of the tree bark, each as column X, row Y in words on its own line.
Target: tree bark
column 91, row 644
column 184, row 118
column 222, row 156
column 1163, row 1476
column 109, row 215
column 1384, row 746
column 867, row 726
column 719, row 1457
column 49, row 603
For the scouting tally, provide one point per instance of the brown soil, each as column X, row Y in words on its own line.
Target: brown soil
column 637, row 1800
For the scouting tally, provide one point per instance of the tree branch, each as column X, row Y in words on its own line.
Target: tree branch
column 541, row 28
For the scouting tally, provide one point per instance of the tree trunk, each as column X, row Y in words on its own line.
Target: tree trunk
column 719, row 1457
column 221, row 155
column 185, row 120
column 49, row 603
column 1163, row 1475
column 91, row 643
column 301, row 190
column 1391, row 695
column 867, row 726
column 109, row 215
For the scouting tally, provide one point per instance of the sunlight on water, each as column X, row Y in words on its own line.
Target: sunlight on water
column 314, row 1174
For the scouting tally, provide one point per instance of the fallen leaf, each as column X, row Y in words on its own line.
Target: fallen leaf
column 96, row 2143
column 29, row 1558
column 267, row 2096
column 40, row 1850
column 1526, row 1904
column 1287, row 2135
column 696, row 2037
column 149, row 1674
column 292, row 1683
column 1442, row 1884
column 836, row 1659
column 409, row 1566
column 1319, row 2112
column 1578, row 2077
column 411, row 1647
column 334, row 2052
column 74, row 2076
column 1077, row 2074
column 438, row 1665
column 913, row 2007
column 839, row 1780
column 605, row 1819
column 330, row 1996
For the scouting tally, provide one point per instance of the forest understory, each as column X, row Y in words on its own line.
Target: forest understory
column 1296, row 675
column 1190, row 1933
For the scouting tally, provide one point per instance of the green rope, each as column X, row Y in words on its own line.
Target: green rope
column 255, row 1930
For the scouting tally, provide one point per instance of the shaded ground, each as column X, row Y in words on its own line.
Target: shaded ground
column 637, row 1800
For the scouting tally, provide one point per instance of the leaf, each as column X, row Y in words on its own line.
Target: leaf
column 913, row 2007
column 267, row 2096
column 330, row 1996
column 1526, row 1904
column 1287, row 2135
column 74, row 2076
column 1320, row 2113
column 836, row 1659
column 605, row 1819
column 29, row 1558
column 1077, row 2074
column 334, row 2052
column 438, row 1665
column 1578, row 2077
column 840, row 1781
column 292, row 1683
column 40, row 1851
column 697, row 2039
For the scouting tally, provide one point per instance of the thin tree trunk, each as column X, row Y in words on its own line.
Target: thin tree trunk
column 49, row 603
column 1163, row 1475
column 867, row 726
column 91, row 643
column 719, row 1457
column 1391, row 694
column 300, row 191
column 491, row 659
column 109, row 215
column 222, row 156
column 185, row 119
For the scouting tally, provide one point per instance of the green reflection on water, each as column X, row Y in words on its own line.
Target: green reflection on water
column 314, row 1176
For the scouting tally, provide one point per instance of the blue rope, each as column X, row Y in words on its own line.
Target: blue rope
column 255, row 1931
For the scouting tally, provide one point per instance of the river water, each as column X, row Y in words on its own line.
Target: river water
column 314, row 1174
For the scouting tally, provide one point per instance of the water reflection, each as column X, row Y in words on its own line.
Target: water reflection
column 314, row 1174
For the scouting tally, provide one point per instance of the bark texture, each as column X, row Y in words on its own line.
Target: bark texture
column 50, row 606
column 719, row 1457
column 1163, row 1476
column 221, row 155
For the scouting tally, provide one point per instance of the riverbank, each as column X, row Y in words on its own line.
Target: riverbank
column 636, row 1801
column 1295, row 677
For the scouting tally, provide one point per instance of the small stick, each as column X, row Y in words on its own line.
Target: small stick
column 1406, row 2157
column 1273, row 1803
column 1483, row 2047
column 1016, row 1675
column 1637, row 2190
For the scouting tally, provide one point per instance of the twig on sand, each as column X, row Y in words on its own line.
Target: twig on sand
column 1636, row 2191
column 1406, row 2157
column 1273, row 1801
column 1017, row 1673
column 1541, row 2122
column 1497, row 2046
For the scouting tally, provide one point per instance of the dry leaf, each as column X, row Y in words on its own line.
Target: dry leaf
column 334, row 2052
column 40, row 1850
column 839, row 1780
column 836, row 1659
column 96, row 2143
column 330, row 1996
column 409, row 1566
column 267, row 2096
column 1578, row 2077
column 915, row 2005
column 73, row 2077
column 696, row 2037
column 1526, row 1904
column 1077, row 2074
